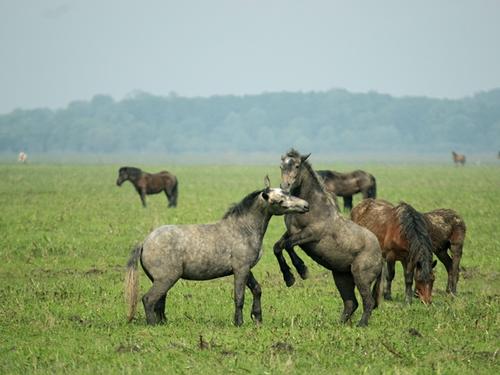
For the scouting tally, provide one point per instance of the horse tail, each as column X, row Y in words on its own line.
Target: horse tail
column 372, row 190
column 132, row 282
column 415, row 230
column 377, row 287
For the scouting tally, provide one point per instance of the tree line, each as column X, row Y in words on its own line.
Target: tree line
column 330, row 121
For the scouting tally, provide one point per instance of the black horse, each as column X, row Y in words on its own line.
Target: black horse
column 150, row 183
column 345, row 185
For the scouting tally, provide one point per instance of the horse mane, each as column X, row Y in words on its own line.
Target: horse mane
column 238, row 209
column 132, row 171
column 414, row 228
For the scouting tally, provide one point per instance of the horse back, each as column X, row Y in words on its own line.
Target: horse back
column 445, row 226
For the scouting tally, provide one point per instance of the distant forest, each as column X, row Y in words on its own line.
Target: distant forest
column 327, row 122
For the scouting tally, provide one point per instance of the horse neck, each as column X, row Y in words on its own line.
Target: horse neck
column 312, row 190
column 254, row 221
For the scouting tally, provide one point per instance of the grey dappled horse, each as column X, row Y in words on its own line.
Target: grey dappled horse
column 230, row 246
column 350, row 251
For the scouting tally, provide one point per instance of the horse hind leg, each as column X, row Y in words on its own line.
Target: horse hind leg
column 154, row 300
column 344, row 282
column 256, row 290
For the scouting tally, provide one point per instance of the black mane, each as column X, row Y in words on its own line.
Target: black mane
column 240, row 208
column 132, row 171
column 415, row 229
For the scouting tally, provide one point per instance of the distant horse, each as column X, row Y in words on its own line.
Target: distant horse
column 447, row 230
column 22, row 157
column 458, row 158
column 231, row 246
column 347, row 184
column 150, row 183
column 350, row 251
column 402, row 233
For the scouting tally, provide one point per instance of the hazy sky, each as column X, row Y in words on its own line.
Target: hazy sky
column 54, row 51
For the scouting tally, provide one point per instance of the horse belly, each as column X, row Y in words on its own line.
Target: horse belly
column 328, row 256
column 206, row 269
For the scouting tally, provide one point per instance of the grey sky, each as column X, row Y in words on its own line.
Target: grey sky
column 54, row 51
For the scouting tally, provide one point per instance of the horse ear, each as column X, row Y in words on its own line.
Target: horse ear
column 434, row 263
column 267, row 182
column 304, row 157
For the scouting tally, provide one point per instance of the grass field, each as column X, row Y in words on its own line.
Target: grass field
column 66, row 233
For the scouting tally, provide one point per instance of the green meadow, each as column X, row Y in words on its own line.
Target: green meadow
column 67, row 231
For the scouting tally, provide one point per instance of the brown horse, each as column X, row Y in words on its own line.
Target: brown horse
column 347, row 184
column 150, row 183
column 403, row 236
column 458, row 158
column 351, row 252
column 447, row 230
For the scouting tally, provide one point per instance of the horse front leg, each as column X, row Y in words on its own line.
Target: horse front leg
column 142, row 194
column 408, row 283
column 240, row 280
column 285, row 269
column 390, row 267
column 347, row 203
column 298, row 263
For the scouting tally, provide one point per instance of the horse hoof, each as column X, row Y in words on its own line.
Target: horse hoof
column 304, row 273
column 387, row 297
column 362, row 323
column 289, row 281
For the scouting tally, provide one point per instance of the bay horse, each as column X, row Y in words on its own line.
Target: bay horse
column 458, row 158
column 345, row 185
column 231, row 246
column 150, row 183
column 447, row 230
column 402, row 233
column 349, row 251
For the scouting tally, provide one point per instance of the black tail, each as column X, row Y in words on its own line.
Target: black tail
column 372, row 190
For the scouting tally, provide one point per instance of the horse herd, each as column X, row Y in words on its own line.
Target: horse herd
column 360, row 252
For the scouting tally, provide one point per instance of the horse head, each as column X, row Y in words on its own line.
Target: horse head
column 123, row 176
column 290, row 169
column 424, row 281
column 280, row 202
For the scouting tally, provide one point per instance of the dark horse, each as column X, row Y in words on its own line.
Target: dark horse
column 150, row 183
column 447, row 230
column 402, row 233
column 345, row 185
column 350, row 251
column 232, row 246
column 458, row 158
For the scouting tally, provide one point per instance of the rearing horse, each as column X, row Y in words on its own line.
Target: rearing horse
column 350, row 251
